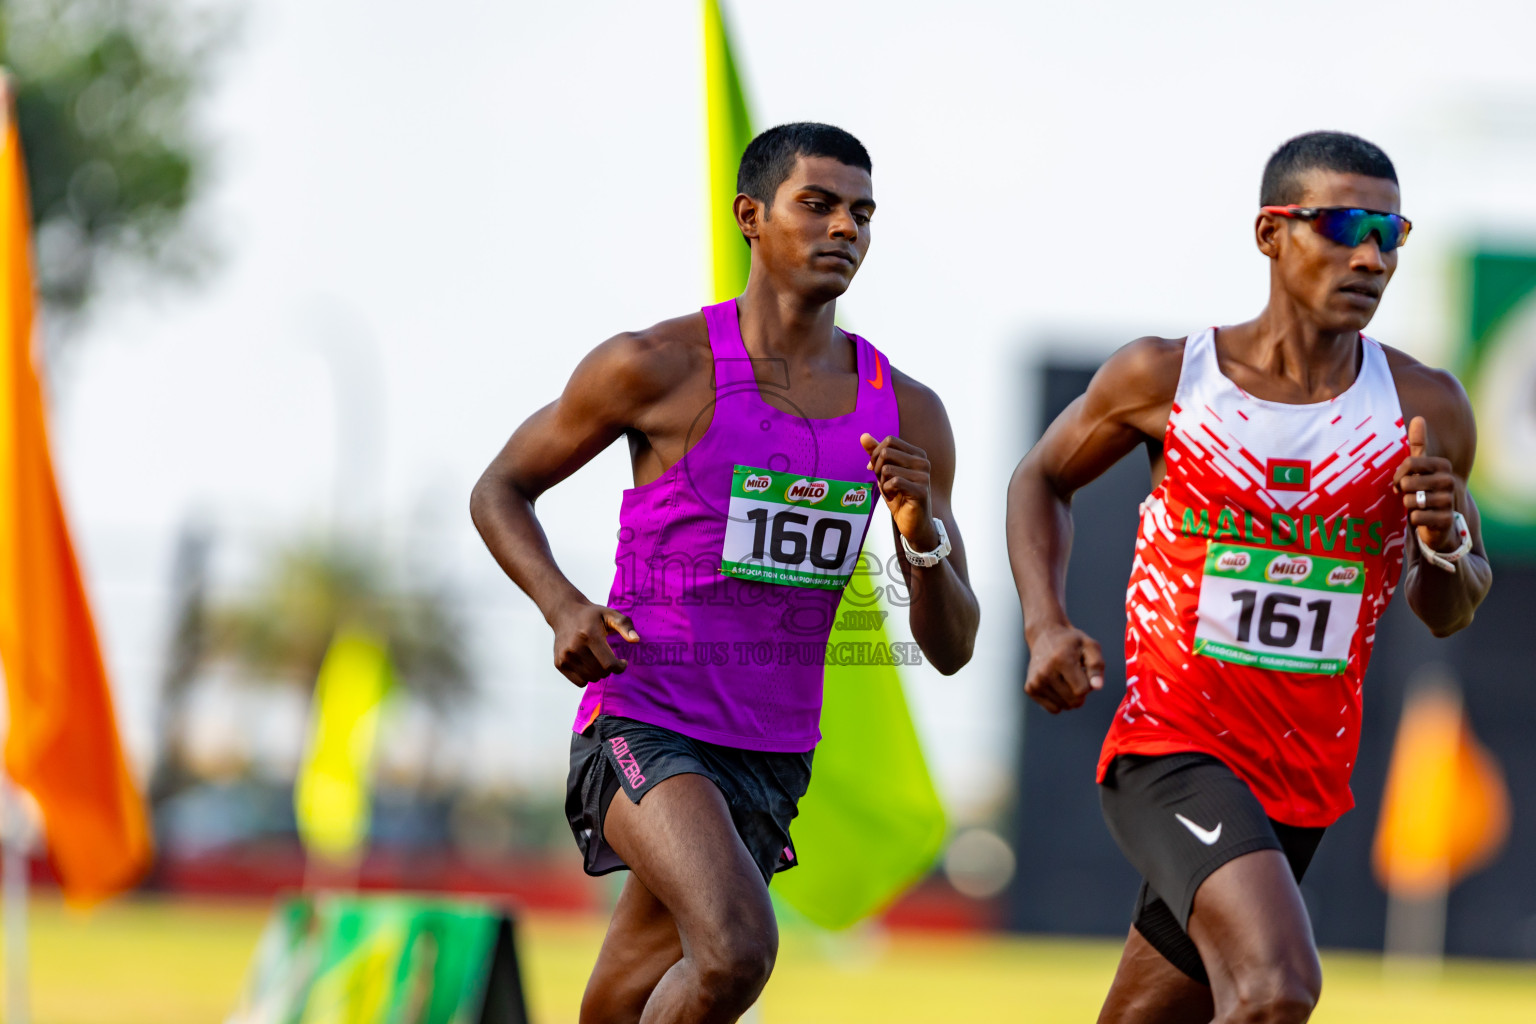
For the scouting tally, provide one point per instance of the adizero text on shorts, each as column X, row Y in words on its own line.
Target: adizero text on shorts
column 761, row 788
column 1177, row 818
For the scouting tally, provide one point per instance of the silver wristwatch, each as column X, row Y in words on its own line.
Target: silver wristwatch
column 927, row 558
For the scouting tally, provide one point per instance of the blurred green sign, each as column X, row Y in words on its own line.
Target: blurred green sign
column 1498, row 366
column 383, row 960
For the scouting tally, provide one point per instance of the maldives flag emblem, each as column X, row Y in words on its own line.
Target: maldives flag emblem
column 1289, row 475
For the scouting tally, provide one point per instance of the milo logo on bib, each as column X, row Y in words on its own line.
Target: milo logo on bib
column 1343, row 576
column 1282, row 612
column 1233, row 561
column 809, row 491
column 1287, row 568
column 792, row 530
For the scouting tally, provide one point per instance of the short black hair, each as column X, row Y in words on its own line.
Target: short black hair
column 1328, row 151
column 770, row 158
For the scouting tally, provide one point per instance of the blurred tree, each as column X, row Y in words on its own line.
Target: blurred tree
column 104, row 93
column 280, row 630
column 276, row 633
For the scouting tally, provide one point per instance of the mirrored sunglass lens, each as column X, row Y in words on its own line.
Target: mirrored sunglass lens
column 1351, row 227
column 1387, row 226
column 1346, row 227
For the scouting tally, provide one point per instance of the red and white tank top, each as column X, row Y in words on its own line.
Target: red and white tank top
column 1263, row 561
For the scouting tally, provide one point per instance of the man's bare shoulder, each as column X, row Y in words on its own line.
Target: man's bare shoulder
column 1427, row 390
column 650, row 363
column 1149, row 363
column 1137, row 378
column 914, row 399
column 1436, row 395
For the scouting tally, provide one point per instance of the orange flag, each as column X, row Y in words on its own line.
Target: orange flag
column 62, row 745
column 1445, row 812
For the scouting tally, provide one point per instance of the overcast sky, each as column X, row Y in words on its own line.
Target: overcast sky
column 448, row 208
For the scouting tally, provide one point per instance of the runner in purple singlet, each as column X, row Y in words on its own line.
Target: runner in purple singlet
column 762, row 438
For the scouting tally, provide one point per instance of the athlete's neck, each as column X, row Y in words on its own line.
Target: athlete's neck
column 1284, row 344
column 783, row 324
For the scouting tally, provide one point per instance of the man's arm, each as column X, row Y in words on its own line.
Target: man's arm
column 1442, row 443
column 916, row 474
column 1127, row 402
column 606, row 396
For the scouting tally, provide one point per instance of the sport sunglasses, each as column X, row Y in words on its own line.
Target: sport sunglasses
column 1350, row 225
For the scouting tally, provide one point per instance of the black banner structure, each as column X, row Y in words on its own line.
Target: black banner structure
column 1071, row 877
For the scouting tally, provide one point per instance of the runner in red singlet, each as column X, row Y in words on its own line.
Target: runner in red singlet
column 1301, row 471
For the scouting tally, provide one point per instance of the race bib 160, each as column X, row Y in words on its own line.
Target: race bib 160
column 794, row 530
column 1276, row 610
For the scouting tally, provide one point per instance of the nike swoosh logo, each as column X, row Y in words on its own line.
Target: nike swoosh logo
column 879, row 381
column 1206, row 836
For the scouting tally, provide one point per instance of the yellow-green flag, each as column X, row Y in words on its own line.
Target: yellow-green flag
column 729, row 131
column 872, row 823
column 331, row 796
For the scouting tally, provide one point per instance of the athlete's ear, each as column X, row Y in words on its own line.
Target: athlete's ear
column 1266, row 232
column 749, row 215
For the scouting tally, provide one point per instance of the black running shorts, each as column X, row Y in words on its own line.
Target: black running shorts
column 761, row 788
column 1177, row 818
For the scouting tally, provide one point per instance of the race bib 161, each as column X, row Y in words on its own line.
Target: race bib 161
column 1276, row 610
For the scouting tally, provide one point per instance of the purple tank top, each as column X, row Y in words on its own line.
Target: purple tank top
column 732, row 562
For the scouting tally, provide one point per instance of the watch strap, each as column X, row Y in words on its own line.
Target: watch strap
column 928, row 558
column 1447, row 559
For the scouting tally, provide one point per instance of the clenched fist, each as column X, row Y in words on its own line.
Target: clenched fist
column 901, row 472
column 582, row 653
column 1065, row 665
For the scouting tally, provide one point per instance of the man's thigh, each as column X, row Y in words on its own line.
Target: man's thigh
column 1180, row 819
column 618, row 756
column 1249, row 937
column 1255, row 938
column 682, row 845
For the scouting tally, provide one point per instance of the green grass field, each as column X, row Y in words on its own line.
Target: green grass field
column 151, row 962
